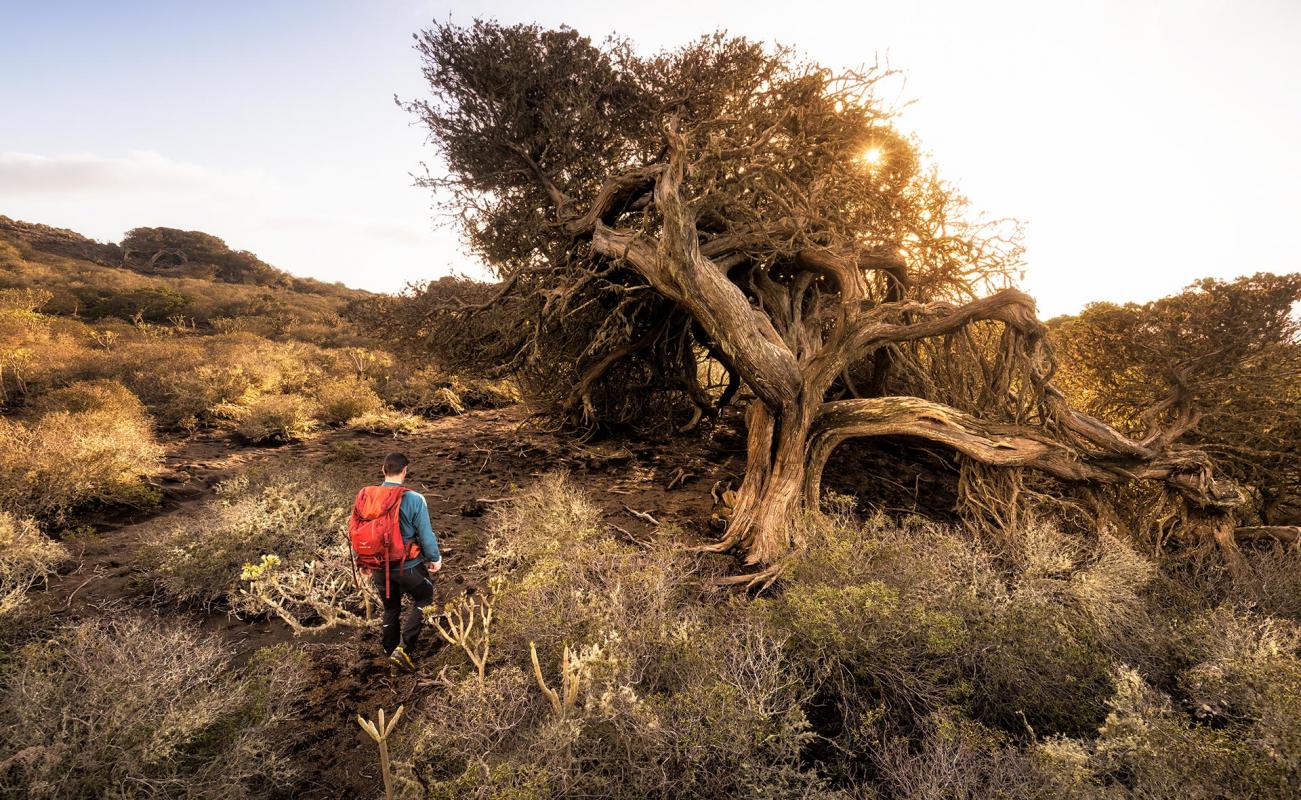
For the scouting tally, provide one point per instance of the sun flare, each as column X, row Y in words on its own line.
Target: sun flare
column 872, row 156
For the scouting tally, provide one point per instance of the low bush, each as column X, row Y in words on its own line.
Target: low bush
column 388, row 422
column 27, row 557
column 1244, row 676
column 277, row 418
column 89, row 442
column 666, row 697
column 432, row 392
column 1151, row 747
column 132, row 708
column 341, row 400
column 271, row 543
column 916, row 618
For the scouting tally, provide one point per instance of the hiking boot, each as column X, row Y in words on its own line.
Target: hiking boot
column 401, row 660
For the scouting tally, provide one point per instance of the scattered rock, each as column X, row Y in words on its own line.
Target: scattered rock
column 472, row 508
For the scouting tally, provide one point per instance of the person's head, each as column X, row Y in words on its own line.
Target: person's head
column 395, row 467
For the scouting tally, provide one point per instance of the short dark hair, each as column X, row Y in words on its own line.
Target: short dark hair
column 395, row 462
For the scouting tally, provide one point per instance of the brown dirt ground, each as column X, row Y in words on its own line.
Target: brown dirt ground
column 463, row 465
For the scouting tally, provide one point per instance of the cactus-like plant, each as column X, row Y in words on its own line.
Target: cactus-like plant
column 379, row 730
column 570, row 681
column 467, row 624
column 311, row 590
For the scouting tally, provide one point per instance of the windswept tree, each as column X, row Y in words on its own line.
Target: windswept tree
column 1229, row 352
column 730, row 203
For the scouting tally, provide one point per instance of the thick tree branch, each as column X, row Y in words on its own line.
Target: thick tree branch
column 998, row 444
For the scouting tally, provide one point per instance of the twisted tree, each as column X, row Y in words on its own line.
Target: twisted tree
column 1233, row 352
column 727, row 203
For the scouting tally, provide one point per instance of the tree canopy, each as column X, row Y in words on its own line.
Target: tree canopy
column 1222, row 358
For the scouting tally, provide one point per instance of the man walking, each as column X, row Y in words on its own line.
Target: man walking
column 398, row 567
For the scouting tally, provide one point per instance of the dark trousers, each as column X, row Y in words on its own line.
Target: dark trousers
column 415, row 583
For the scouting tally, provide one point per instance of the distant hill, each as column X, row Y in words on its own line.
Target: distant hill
column 169, row 252
column 165, row 274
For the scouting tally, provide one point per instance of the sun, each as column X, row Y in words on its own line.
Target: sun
column 872, row 156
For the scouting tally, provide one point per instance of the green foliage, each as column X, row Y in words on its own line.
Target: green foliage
column 672, row 700
column 296, row 515
column 150, row 303
column 131, row 708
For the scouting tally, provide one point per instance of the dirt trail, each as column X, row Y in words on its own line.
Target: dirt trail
column 463, row 465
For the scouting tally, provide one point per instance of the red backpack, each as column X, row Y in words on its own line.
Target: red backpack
column 375, row 532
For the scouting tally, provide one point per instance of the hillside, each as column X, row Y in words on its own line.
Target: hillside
column 182, row 433
column 157, row 274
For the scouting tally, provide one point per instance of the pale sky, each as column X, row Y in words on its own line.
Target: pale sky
column 1144, row 143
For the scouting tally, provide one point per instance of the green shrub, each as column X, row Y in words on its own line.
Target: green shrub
column 1157, row 751
column 27, row 557
column 1245, row 673
column 915, row 618
column 671, row 698
column 278, row 418
column 297, row 517
column 89, row 442
column 132, row 708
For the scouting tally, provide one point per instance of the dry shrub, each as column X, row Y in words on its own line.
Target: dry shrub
column 318, row 593
column 957, row 759
column 278, row 418
column 344, row 399
column 131, row 708
column 89, row 442
column 388, row 422
column 186, row 380
column 296, row 516
column 1276, row 590
column 673, row 698
column 27, row 557
column 432, row 392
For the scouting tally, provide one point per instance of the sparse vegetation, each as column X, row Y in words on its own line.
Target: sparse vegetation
column 27, row 558
column 130, row 708
column 271, row 543
column 896, row 660
column 1100, row 600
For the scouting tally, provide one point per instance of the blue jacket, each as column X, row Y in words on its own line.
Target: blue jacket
column 413, row 518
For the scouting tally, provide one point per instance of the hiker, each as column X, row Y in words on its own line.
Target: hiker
column 391, row 536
